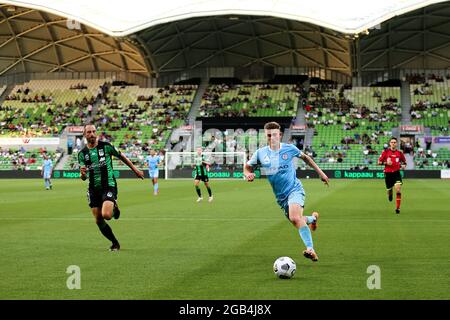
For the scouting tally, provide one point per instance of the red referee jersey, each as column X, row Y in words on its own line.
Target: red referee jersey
column 397, row 158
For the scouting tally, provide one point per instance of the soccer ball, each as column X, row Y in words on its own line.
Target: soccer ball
column 284, row 268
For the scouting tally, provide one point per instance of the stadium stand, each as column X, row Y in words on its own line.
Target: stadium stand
column 349, row 124
column 373, row 97
column 432, row 160
column 139, row 119
column 431, row 100
column 21, row 159
column 44, row 107
column 250, row 100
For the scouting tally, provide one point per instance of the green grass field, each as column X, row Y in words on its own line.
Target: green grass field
column 175, row 248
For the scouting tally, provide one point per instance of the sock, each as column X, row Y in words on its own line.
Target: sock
column 45, row 182
column 209, row 191
column 309, row 219
column 155, row 187
column 305, row 234
column 106, row 230
column 198, row 191
column 398, row 199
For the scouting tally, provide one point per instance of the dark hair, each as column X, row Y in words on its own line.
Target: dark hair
column 392, row 138
column 87, row 124
column 272, row 125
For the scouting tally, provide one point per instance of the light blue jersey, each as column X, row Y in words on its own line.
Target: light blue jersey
column 279, row 168
column 153, row 162
column 47, row 165
column 47, row 168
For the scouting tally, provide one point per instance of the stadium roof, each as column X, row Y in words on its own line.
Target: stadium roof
column 191, row 36
column 122, row 18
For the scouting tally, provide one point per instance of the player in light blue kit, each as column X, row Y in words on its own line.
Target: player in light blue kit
column 152, row 162
column 46, row 172
column 276, row 161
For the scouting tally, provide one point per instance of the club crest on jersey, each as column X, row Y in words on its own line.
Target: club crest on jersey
column 266, row 159
column 101, row 152
column 284, row 156
column 86, row 157
column 109, row 194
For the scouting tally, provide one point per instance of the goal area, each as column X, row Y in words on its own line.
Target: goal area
column 228, row 165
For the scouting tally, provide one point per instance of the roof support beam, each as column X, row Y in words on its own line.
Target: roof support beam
column 45, row 19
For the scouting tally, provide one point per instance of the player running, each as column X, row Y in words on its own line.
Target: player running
column 393, row 160
column 276, row 161
column 46, row 172
column 102, row 192
column 153, row 172
column 201, row 174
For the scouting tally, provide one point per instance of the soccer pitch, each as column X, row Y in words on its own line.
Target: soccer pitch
column 175, row 248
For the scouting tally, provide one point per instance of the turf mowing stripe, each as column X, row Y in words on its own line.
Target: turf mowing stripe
column 223, row 219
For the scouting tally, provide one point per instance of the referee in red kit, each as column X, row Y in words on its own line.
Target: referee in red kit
column 393, row 160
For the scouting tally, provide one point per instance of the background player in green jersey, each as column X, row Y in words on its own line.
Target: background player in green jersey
column 201, row 174
column 102, row 192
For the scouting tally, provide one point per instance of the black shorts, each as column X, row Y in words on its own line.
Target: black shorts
column 202, row 178
column 97, row 196
column 391, row 178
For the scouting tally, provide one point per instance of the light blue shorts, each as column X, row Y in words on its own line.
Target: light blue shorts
column 46, row 175
column 295, row 197
column 153, row 173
